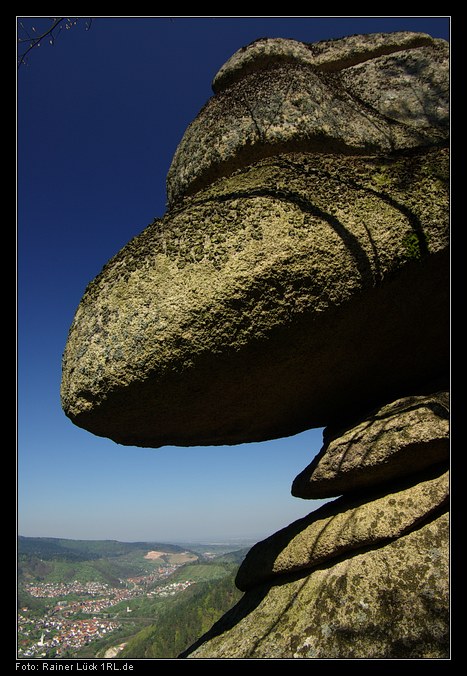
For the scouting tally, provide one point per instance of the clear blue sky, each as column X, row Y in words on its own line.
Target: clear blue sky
column 100, row 114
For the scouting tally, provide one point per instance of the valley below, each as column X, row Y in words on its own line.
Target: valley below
column 107, row 599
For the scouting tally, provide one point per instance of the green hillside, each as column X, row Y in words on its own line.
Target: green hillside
column 56, row 560
column 234, row 557
column 200, row 572
column 84, row 550
column 159, row 598
column 181, row 623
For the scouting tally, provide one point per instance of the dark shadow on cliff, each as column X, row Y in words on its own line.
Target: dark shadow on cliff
column 362, row 262
column 255, row 596
column 258, row 565
column 413, row 457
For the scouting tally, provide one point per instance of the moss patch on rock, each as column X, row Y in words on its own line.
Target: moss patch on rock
column 385, row 603
column 218, row 323
column 345, row 525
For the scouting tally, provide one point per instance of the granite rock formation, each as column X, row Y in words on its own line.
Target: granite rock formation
column 378, row 93
column 300, row 278
column 386, row 603
column 315, row 263
column 346, row 525
column 365, row 575
column 406, row 436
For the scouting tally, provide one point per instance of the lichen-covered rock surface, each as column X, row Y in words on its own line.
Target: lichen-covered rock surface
column 255, row 308
column 391, row 602
column 396, row 440
column 326, row 55
column 358, row 95
column 345, row 525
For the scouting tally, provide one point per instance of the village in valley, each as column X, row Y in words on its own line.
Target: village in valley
column 83, row 612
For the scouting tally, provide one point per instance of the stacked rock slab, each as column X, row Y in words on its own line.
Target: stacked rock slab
column 366, row 575
column 299, row 279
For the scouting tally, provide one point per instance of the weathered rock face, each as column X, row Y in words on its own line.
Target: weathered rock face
column 251, row 312
column 366, row 575
column 326, row 55
column 363, row 94
column 343, row 526
column 301, row 279
column 409, row 435
column 389, row 602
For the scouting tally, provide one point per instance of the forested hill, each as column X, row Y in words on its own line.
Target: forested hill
column 188, row 617
column 85, row 550
column 107, row 561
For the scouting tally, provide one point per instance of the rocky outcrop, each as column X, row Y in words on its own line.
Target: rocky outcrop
column 327, row 55
column 359, row 95
column 300, row 278
column 345, row 525
column 365, row 575
column 251, row 311
column 386, row 603
column 396, row 440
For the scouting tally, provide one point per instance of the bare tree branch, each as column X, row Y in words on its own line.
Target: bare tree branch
column 33, row 41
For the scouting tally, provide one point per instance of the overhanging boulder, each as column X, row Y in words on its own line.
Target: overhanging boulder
column 300, row 290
